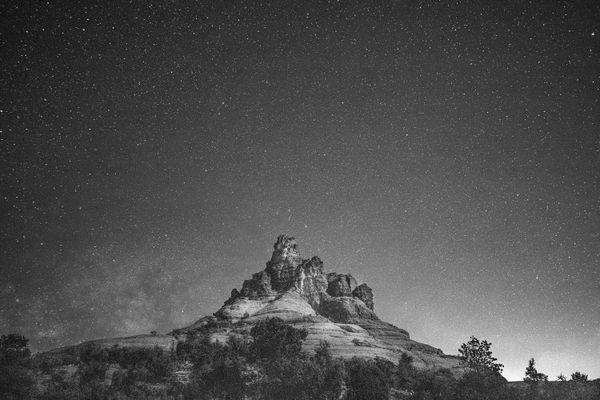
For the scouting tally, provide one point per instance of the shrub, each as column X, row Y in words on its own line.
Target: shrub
column 579, row 377
column 532, row 375
column 369, row 379
column 478, row 355
column 329, row 374
column 405, row 372
column 481, row 385
column 273, row 338
column 434, row 385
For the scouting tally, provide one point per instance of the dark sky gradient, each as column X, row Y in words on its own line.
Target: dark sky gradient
column 448, row 155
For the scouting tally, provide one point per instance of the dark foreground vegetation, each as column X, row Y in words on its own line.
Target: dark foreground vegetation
column 270, row 364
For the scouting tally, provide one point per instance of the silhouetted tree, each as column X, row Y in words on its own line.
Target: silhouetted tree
column 532, row 375
column 579, row 377
column 481, row 384
column 561, row 377
column 478, row 355
column 369, row 379
column 273, row 338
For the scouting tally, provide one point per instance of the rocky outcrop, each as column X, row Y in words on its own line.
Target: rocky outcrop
column 282, row 268
column 330, row 306
column 334, row 296
column 257, row 287
column 365, row 294
column 345, row 310
column 311, row 283
column 340, row 285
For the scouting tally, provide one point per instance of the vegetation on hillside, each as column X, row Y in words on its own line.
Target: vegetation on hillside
column 266, row 364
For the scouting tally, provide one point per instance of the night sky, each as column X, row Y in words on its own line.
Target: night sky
column 446, row 153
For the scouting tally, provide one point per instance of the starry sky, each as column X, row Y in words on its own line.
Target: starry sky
column 445, row 153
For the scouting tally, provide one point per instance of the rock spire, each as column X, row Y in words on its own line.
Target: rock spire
column 288, row 272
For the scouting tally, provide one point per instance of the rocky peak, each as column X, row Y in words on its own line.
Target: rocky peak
column 283, row 265
column 285, row 250
column 288, row 272
column 365, row 293
column 339, row 285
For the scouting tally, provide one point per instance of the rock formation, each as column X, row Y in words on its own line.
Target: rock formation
column 330, row 306
column 334, row 296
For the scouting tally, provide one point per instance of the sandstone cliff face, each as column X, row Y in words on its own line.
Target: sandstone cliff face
column 334, row 296
column 330, row 306
column 364, row 293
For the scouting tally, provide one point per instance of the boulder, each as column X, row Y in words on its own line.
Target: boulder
column 340, row 284
column 365, row 294
column 282, row 266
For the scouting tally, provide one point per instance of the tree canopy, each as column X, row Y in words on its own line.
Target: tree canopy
column 273, row 338
column 532, row 374
column 478, row 355
column 579, row 377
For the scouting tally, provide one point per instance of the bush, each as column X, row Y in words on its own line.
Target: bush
column 289, row 379
column 272, row 366
column 434, row 385
column 217, row 371
column 224, row 380
column 369, row 379
column 147, row 364
column 481, row 385
column 198, row 349
column 405, row 372
column 532, row 375
column 273, row 339
column 329, row 373
column 46, row 362
column 477, row 355
column 579, row 377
